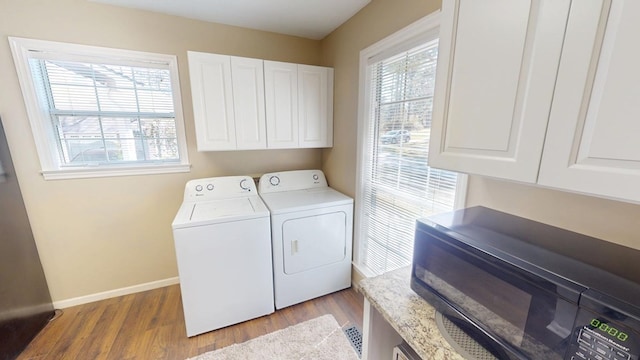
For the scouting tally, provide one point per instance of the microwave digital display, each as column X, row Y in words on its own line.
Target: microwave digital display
column 598, row 337
column 603, row 327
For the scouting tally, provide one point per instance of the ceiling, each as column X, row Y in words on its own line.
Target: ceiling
column 313, row 19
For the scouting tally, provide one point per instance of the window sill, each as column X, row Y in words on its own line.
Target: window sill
column 363, row 271
column 87, row 172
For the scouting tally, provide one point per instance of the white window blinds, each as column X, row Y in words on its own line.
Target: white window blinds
column 107, row 114
column 100, row 111
column 398, row 186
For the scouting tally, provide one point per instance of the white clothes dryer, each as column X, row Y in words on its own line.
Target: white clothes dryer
column 223, row 248
column 311, row 231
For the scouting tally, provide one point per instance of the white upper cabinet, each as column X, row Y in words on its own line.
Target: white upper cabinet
column 212, row 96
column 315, row 106
column 541, row 91
column 281, row 94
column 593, row 140
column 299, row 103
column 496, row 72
column 246, row 104
column 228, row 102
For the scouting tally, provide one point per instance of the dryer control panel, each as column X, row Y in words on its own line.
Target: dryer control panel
column 291, row 181
column 219, row 188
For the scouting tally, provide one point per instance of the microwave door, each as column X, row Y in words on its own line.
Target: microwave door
column 528, row 314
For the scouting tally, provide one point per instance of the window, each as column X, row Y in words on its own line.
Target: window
column 101, row 112
column 396, row 186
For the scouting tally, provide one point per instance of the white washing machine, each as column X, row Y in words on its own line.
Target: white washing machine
column 223, row 247
column 311, row 231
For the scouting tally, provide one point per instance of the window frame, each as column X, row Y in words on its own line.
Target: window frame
column 43, row 133
column 416, row 33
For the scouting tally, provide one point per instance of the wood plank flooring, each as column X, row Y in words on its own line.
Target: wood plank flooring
column 150, row 325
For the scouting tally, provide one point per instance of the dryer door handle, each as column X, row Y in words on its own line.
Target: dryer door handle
column 294, row 247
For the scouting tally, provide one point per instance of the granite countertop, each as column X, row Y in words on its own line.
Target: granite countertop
column 410, row 315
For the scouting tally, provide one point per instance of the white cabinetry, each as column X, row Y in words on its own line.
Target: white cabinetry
column 299, row 103
column 496, row 72
column 540, row 91
column 593, row 140
column 315, row 106
column 247, row 77
column 211, row 91
column 228, row 101
column 244, row 104
column 281, row 92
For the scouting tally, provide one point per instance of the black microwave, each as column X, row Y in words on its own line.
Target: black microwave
column 526, row 290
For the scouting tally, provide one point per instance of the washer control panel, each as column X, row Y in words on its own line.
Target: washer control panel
column 291, row 181
column 219, row 188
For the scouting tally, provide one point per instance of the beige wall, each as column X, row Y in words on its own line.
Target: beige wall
column 610, row 220
column 97, row 235
column 102, row 234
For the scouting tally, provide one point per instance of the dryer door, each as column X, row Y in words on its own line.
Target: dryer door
column 313, row 241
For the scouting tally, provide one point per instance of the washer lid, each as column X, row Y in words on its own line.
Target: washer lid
column 196, row 213
column 221, row 208
column 300, row 200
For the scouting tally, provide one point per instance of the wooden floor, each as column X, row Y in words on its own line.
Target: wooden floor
column 150, row 325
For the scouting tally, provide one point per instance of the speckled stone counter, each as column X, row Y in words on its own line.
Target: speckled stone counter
column 408, row 314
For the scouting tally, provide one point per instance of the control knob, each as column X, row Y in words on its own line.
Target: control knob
column 243, row 185
column 274, row 180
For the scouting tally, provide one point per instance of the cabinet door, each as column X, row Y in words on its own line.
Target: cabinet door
column 497, row 67
column 211, row 92
column 281, row 96
column 593, row 140
column 248, row 103
column 315, row 106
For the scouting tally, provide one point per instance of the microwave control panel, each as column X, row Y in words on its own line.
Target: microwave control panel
column 597, row 338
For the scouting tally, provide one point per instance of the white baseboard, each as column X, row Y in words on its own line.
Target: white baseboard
column 116, row 292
